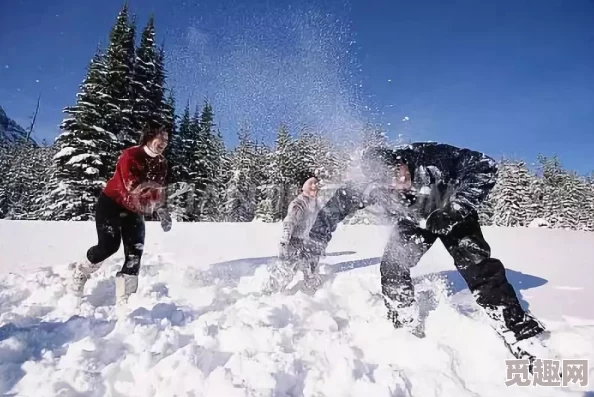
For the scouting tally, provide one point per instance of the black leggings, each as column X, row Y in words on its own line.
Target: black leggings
column 115, row 224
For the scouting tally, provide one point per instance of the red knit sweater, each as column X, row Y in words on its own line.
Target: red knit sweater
column 138, row 183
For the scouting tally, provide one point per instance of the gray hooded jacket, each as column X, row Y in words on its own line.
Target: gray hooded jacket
column 300, row 217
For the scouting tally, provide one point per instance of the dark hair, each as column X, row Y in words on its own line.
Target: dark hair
column 303, row 176
column 150, row 131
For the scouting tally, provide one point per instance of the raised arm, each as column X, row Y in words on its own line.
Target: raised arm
column 345, row 201
column 477, row 175
column 474, row 176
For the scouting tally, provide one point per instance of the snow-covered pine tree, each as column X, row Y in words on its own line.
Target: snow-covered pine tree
column 174, row 161
column 282, row 169
column 181, row 155
column 119, row 75
column 196, row 146
column 221, row 173
column 240, row 192
column 42, row 168
column 148, row 91
column 582, row 199
column 575, row 201
column 589, row 202
column 525, row 182
column 572, row 195
column 5, row 163
column 26, row 178
column 224, row 175
column 536, row 209
column 162, row 93
column 86, row 151
column 308, row 154
column 512, row 195
column 170, row 125
column 213, row 149
column 288, row 170
column 261, row 178
column 16, row 178
column 550, row 188
column 319, row 155
column 533, row 207
column 12, row 188
column 173, row 152
column 267, row 190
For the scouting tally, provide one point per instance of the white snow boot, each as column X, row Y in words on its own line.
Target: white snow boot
column 81, row 272
column 126, row 285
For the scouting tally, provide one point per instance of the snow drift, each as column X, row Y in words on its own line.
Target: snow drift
column 199, row 326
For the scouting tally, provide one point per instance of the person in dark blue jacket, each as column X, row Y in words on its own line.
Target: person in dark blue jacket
column 432, row 190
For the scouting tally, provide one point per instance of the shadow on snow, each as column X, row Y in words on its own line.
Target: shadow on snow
column 520, row 281
column 31, row 338
column 230, row 272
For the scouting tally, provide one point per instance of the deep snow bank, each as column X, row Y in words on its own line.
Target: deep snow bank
column 199, row 326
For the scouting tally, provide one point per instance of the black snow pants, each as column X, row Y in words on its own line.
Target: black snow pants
column 485, row 276
column 116, row 224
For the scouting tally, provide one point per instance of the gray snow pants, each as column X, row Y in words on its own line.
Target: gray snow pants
column 294, row 258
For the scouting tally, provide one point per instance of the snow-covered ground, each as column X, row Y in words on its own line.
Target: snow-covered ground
column 200, row 327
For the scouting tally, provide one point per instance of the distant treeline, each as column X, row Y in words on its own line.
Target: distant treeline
column 125, row 89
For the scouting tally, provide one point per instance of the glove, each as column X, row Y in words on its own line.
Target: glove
column 165, row 219
column 283, row 249
column 443, row 220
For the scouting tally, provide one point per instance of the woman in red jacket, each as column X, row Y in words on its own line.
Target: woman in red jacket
column 137, row 188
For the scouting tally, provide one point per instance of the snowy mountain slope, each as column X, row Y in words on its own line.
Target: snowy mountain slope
column 199, row 326
column 10, row 131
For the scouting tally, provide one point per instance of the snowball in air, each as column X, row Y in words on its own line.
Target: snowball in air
column 405, row 118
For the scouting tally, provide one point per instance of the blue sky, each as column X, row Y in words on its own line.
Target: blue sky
column 508, row 77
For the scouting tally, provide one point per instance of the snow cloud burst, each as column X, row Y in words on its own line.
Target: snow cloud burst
column 293, row 66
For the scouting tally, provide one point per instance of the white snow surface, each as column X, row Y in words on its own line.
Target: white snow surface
column 199, row 325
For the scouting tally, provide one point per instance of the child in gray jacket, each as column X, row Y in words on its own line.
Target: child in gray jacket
column 292, row 257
